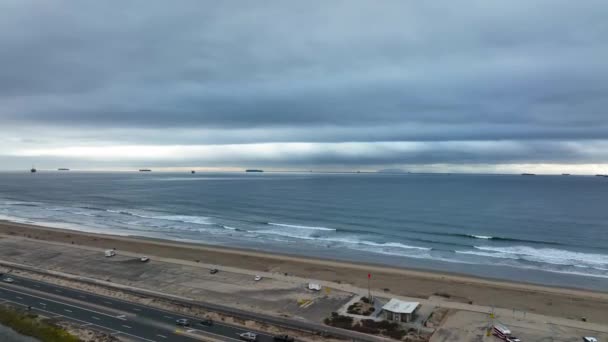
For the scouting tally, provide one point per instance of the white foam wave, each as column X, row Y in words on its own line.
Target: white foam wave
column 345, row 240
column 183, row 218
column 393, row 245
column 548, row 255
column 484, row 237
column 202, row 220
column 229, row 228
column 284, row 225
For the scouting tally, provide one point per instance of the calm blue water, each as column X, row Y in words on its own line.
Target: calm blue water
column 542, row 229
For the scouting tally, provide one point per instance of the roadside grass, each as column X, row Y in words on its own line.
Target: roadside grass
column 30, row 325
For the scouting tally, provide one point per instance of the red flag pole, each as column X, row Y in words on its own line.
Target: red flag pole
column 369, row 291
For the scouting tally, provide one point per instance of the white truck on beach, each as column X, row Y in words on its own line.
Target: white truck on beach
column 110, row 253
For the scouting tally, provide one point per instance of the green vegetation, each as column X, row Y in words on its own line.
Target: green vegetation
column 367, row 326
column 30, row 325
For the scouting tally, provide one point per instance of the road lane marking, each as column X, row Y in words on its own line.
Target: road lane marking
column 97, row 318
column 204, row 332
column 56, row 290
column 66, row 304
column 161, row 310
column 161, row 336
column 36, row 285
column 101, row 326
column 66, row 310
column 126, row 326
column 41, row 303
column 149, row 308
column 81, row 296
column 105, row 301
column 136, row 309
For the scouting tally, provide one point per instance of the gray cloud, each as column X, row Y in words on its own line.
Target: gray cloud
column 221, row 72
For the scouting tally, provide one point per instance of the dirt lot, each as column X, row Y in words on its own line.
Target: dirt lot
column 468, row 326
column 238, row 290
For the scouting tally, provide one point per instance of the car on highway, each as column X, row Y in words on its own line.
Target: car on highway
column 8, row 280
column 257, row 278
column 182, row 322
column 248, row 336
column 283, row 338
column 512, row 339
column 144, row 259
column 206, row 322
column 213, row 270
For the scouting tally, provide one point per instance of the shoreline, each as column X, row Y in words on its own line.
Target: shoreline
column 573, row 304
column 54, row 234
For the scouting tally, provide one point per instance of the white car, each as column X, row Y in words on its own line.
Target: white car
column 589, row 339
column 257, row 278
column 8, row 280
column 144, row 259
column 248, row 336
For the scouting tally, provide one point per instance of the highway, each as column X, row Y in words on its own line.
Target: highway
column 123, row 319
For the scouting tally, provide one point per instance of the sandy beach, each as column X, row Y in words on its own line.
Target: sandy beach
column 551, row 301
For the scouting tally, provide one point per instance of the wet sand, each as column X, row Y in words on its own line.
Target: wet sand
column 558, row 302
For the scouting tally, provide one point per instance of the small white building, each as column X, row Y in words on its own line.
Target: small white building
column 399, row 311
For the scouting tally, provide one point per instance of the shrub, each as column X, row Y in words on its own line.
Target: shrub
column 29, row 325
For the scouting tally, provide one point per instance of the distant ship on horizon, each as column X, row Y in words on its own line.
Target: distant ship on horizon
column 145, row 170
column 63, row 169
column 33, row 170
column 254, row 170
column 528, row 174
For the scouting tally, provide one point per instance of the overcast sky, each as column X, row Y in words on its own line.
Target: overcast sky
column 468, row 86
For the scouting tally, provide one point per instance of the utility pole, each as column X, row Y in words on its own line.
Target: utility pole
column 369, row 291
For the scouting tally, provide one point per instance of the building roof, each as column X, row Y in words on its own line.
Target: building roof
column 399, row 306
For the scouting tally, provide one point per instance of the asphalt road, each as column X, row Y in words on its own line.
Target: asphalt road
column 131, row 320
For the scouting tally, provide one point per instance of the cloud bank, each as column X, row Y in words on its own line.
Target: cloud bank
column 341, row 84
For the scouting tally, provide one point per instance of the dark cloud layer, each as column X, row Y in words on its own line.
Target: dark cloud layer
column 224, row 72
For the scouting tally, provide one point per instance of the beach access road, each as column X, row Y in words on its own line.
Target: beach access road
column 125, row 320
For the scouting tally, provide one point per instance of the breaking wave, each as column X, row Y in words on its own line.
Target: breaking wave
column 543, row 255
column 300, row 227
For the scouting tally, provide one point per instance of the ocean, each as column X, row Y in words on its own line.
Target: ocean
column 550, row 230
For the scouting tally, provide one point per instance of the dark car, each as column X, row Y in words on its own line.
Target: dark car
column 206, row 322
column 183, row 322
column 213, row 271
column 284, row 338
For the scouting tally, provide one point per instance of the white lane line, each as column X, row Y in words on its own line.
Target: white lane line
column 81, row 296
column 107, row 302
column 153, row 308
column 126, row 326
column 97, row 325
column 203, row 332
column 136, row 309
column 66, row 310
column 57, row 290
column 161, row 336
column 41, row 303
column 97, row 318
column 66, row 304
column 36, row 285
